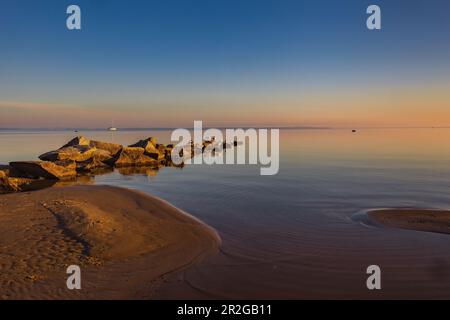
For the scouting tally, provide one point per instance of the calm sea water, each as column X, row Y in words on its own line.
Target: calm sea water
column 291, row 235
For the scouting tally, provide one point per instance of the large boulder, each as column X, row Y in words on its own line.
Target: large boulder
column 59, row 170
column 72, row 153
column 112, row 148
column 152, row 149
column 9, row 184
column 8, row 171
column 102, row 155
column 83, row 150
column 97, row 163
column 148, row 144
column 77, row 141
column 159, row 154
column 132, row 156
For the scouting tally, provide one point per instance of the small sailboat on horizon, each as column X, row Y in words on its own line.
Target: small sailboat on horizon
column 112, row 128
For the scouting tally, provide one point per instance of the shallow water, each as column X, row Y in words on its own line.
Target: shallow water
column 291, row 235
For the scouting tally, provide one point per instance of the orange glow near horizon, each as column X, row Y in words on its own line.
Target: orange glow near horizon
column 388, row 108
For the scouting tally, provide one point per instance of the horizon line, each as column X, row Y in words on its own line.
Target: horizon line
column 223, row 128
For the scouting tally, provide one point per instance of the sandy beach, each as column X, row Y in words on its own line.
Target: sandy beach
column 413, row 219
column 125, row 242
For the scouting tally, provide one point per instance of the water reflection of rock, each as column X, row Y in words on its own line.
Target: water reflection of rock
column 80, row 180
column 148, row 171
column 86, row 179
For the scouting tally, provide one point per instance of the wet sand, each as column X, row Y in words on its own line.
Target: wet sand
column 329, row 264
column 125, row 242
column 413, row 219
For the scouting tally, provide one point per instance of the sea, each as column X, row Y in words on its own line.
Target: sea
column 294, row 235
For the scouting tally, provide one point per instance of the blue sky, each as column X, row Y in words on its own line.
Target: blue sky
column 213, row 59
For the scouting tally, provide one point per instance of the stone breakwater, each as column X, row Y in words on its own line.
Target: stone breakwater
column 81, row 156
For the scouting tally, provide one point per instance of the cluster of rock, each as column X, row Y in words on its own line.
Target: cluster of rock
column 82, row 156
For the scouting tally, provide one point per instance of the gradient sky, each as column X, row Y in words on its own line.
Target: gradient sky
column 226, row 62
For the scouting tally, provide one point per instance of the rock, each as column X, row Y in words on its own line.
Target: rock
column 152, row 149
column 5, row 185
column 152, row 140
column 160, row 155
column 77, row 141
column 97, row 163
column 5, row 170
column 93, row 166
column 155, row 156
column 148, row 144
column 13, row 184
column 112, row 148
column 86, row 157
column 160, row 147
column 58, row 170
column 168, row 152
column 196, row 149
column 10, row 171
column 26, row 184
column 102, row 155
column 72, row 153
column 132, row 156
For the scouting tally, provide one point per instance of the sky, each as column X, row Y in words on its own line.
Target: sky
column 227, row 62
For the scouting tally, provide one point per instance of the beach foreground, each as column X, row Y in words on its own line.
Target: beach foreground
column 413, row 219
column 125, row 243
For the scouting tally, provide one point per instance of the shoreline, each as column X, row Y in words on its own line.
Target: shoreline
column 126, row 242
column 426, row 220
